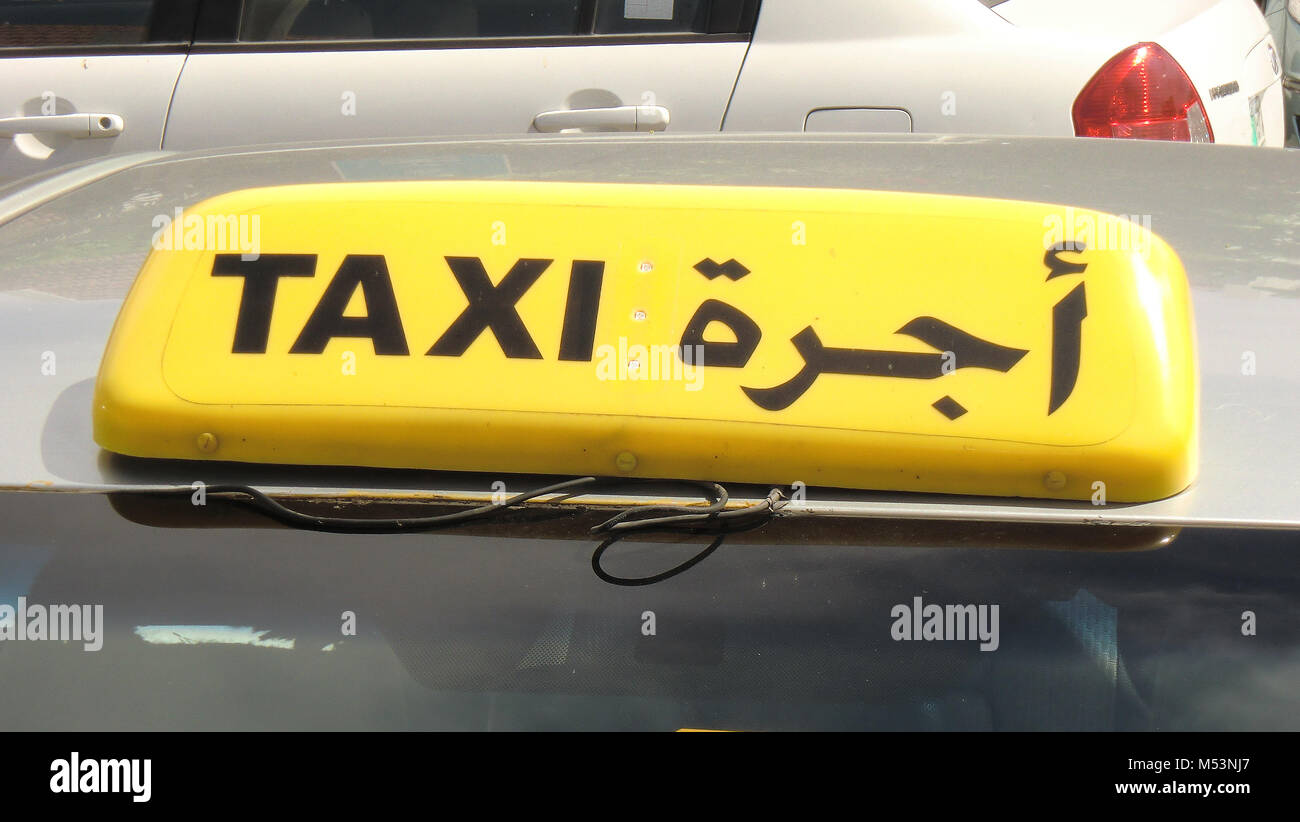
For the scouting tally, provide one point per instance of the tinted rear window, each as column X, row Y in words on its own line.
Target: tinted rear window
column 212, row 620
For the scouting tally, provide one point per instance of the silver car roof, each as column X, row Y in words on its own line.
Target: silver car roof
column 71, row 244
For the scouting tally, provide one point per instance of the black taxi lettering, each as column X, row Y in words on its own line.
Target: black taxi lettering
column 1057, row 267
column 493, row 307
column 261, row 276
column 969, row 352
column 1067, row 327
column 382, row 324
column 581, row 307
column 725, row 354
column 490, row 307
column 732, row 269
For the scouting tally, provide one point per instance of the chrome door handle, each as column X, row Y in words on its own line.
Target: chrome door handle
column 614, row 118
column 73, row 125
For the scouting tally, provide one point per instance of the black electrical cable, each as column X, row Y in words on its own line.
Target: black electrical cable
column 718, row 524
column 697, row 519
column 377, row 525
column 650, row 580
column 681, row 517
column 620, row 521
column 700, row 520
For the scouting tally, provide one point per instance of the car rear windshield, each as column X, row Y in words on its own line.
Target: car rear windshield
column 213, row 618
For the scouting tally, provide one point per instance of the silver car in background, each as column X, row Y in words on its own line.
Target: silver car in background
column 1284, row 22
column 86, row 78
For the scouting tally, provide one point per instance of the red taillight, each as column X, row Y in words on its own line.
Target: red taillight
column 1142, row 94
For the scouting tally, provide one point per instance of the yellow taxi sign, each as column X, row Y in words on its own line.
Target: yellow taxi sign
column 860, row 339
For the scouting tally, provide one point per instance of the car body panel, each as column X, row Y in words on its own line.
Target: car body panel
column 798, row 69
column 1286, row 35
column 1116, row 18
column 253, row 97
column 1254, row 69
column 136, row 87
column 856, row 64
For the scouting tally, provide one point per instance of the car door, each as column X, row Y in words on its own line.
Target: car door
column 83, row 78
column 343, row 69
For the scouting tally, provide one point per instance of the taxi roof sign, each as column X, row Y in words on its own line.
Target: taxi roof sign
column 859, row 339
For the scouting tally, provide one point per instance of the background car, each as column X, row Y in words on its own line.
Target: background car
column 193, row 74
column 1284, row 21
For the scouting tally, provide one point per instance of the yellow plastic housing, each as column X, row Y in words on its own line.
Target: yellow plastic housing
column 861, row 339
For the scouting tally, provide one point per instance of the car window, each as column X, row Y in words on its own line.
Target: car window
column 675, row 16
column 288, row 20
column 645, row 16
column 34, row 23
column 277, row 20
column 504, row 628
